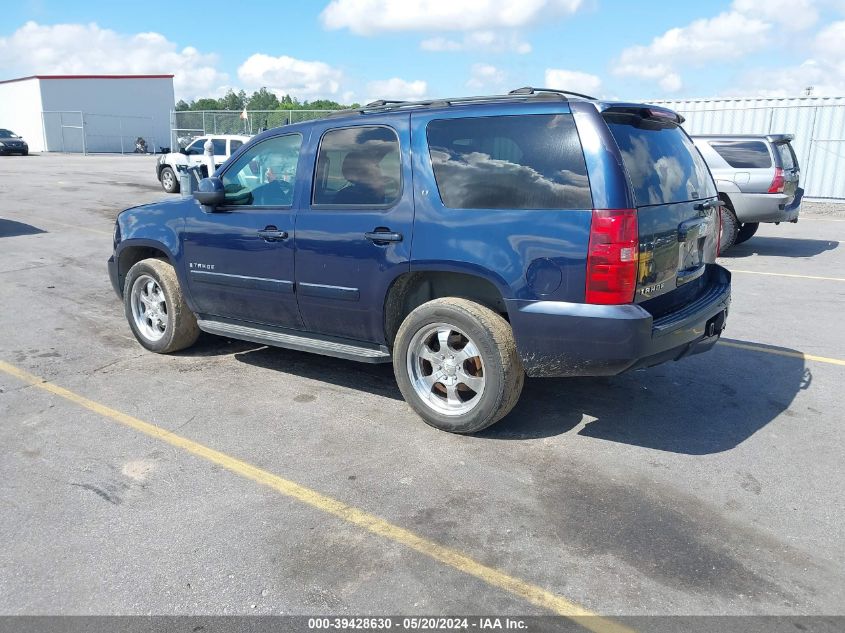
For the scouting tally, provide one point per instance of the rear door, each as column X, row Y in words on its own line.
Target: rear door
column 671, row 184
column 353, row 237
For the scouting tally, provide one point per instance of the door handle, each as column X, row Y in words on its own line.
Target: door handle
column 383, row 237
column 272, row 234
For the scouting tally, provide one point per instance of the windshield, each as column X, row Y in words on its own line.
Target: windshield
column 8, row 134
column 663, row 164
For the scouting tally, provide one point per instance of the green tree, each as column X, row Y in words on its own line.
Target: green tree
column 233, row 101
column 262, row 100
column 182, row 105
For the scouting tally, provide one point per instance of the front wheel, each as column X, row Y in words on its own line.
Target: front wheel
column 746, row 232
column 155, row 308
column 457, row 365
column 168, row 180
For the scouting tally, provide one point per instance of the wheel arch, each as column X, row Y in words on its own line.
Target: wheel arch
column 416, row 287
column 132, row 251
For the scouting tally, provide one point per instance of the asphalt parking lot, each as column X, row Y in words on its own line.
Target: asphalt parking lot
column 299, row 484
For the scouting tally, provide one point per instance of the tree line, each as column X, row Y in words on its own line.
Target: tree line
column 259, row 100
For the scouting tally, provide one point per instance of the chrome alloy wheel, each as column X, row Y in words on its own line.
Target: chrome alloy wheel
column 446, row 369
column 168, row 179
column 149, row 308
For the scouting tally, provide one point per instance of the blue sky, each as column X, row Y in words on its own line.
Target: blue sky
column 363, row 49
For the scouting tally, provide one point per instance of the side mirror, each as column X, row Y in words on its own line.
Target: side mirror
column 183, row 150
column 210, row 192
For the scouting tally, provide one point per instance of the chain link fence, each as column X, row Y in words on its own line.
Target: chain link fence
column 187, row 125
column 90, row 133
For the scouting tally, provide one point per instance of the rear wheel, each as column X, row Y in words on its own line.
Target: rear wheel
column 457, row 365
column 746, row 232
column 168, row 180
column 730, row 228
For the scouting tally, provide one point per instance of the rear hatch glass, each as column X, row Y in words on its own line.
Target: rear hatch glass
column 670, row 181
column 789, row 164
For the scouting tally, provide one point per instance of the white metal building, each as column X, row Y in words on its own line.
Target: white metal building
column 88, row 113
column 818, row 124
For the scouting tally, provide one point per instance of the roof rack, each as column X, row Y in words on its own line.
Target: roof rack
column 528, row 90
column 386, row 105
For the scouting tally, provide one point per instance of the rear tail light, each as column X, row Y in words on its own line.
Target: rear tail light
column 612, row 256
column 777, row 181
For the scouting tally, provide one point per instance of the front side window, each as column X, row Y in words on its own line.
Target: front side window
column 264, row 174
column 509, row 162
column 358, row 166
column 743, row 154
column 219, row 146
column 233, row 145
column 196, row 147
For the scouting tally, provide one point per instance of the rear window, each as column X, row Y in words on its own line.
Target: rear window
column 663, row 164
column 743, row 154
column 787, row 156
column 509, row 162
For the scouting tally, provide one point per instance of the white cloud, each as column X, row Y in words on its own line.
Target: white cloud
column 574, row 80
column 397, row 89
column 728, row 36
column 288, row 75
column 485, row 77
column 479, row 41
column 368, row 17
column 74, row 49
column 797, row 14
column 824, row 71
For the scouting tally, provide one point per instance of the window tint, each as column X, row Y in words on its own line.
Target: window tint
column 787, row 156
column 663, row 164
column 233, row 145
column 743, row 154
column 358, row 166
column 264, row 175
column 509, row 162
column 219, row 146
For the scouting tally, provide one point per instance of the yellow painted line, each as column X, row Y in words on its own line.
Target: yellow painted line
column 373, row 524
column 784, row 352
column 757, row 272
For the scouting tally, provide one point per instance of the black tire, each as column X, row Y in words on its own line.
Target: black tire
column 501, row 366
column 181, row 329
column 169, row 181
column 746, row 232
column 730, row 229
column 25, row 153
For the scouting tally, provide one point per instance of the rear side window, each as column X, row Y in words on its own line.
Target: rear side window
column 219, row 146
column 787, row 156
column 509, row 162
column 743, row 154
column 233, row 145
column 358, row 166
column 663, row 164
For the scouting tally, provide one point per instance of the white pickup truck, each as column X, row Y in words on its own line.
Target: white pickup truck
column 167, row 170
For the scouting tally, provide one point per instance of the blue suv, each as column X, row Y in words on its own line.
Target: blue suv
column 470, row 241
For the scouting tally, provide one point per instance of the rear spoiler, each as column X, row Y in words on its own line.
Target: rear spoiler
column 647, row 112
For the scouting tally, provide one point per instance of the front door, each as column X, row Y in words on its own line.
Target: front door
column 239, row 257
column 353, row 234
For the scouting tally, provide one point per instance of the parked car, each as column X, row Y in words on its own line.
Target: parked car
column 167, row 166
column 11, row 143
column 758, row 181
column 467, row 241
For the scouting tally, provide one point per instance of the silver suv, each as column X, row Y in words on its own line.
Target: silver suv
column 757, row 177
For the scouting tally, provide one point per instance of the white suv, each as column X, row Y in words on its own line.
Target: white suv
column 167, row 167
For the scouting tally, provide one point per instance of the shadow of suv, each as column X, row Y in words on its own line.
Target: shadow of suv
column 468, row 241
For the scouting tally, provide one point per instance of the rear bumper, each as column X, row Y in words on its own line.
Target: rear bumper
column 766, row 207
column 575, row 339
